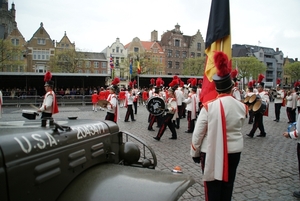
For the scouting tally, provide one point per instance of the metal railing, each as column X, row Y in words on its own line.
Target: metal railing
column 37, row 100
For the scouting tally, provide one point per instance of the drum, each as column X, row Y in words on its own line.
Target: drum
column 259, row 106
column 156, row 106
column 246, row 100
column 253, row 99
column 29, row 114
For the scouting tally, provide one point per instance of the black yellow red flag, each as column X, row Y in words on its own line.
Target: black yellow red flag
column 217, row 39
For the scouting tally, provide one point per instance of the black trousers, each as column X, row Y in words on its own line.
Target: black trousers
column 191, row 122
column 129, row 113
column 277, row 110
column 167, row 121
column 154, row 119
column 46, row 115
column 110, row 116
column 219, row 190
column 258, row 123
column 135, row 107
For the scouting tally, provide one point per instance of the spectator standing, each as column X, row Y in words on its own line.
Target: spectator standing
column 95, row 99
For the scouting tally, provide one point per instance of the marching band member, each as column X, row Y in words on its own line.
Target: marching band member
column 217, row 140
column 249, row 93
column 192, row 107
column 167, row 119
column 49, row 105
column 128, row 103
column 95, row 99
column 278, row 100
column 291, row 105
column 112, row 106
column 152, row 117
column 235, row 90
column 258, row 116
column 102, row 95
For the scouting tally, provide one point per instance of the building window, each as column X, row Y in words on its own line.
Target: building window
column 169, row 64
column 103, row 71
column 198, row 54
column 199, row 46
column 117, row 49
column 184, row 54
column 96, row 71
column 87, row 64
column 41, row 41
column 260, row 54
column 193, row 54
column 136, row 49
column 169, row 53
column 79, row 71
column 177, row 53
column 177, row 65
column 41, row 55
column 87, row 71
column 121, row 50
column 15, row 41
column 117, row 61
column 40, row 69
column 96, row 64
column 113, row 50
column 177, row 43
column 103, row 65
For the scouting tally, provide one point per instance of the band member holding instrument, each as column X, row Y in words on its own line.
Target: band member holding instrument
column 258, row 116
column 128, row 103
column 249, row 94
column 192, row 106
column 154, row 118
column 291, row 105
column 278, row 98
column 167, row 119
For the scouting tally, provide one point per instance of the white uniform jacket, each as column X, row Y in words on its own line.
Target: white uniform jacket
column 225, row 112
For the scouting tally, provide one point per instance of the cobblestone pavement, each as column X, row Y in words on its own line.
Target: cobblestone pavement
column 268, row 169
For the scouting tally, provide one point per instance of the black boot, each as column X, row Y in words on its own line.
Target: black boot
column 296, row 194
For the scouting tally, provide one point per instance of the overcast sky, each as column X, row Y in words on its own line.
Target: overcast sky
column 95, row 24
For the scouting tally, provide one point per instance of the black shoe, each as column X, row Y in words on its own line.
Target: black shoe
column 275, row 120
column 261, row 135
column 296, row 194
column 151, row 129
column 133, row 120
column 156, row 138
column 173, row 138
column 177, row 127
column 126, row 121
column 249, row 135
column 251, row 122
column 188, row 131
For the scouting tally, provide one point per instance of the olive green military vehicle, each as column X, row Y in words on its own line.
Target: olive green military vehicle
column 80, row 160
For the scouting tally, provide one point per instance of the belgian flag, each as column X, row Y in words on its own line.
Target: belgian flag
column 217, row 39
column 138, row 66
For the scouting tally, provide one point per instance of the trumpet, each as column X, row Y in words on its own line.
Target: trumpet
column 274, row 92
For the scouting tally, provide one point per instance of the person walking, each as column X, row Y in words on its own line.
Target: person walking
column 154, row 118
column 278, row 99
column 291, row 105
column 49, row 106
column 128, row 104
column 167, row 119
column 217, row 141
column 258, row 116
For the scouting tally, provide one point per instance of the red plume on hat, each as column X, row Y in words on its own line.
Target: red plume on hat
column 222, row 64
column 181, row 83
column 194, row 82
column 115, row 81
column 260, row 78
column 189, row 80
column 159, row 82
column 250, row 84
column 234, row 73
column 47, row 76
column 297, row 84
column 278, row 81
